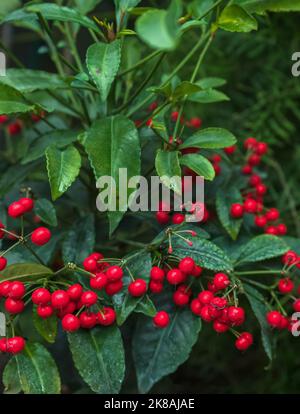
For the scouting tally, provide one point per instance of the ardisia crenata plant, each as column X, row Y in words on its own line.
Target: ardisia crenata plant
column 141, row 281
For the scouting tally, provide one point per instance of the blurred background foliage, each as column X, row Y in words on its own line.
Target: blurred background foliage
column 265, row 103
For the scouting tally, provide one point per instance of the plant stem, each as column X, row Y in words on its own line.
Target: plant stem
column 34, row 254
column 258, row 272
column 140, row 63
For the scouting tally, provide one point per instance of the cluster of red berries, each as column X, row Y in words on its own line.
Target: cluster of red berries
column 15, row 127
column 13, row 345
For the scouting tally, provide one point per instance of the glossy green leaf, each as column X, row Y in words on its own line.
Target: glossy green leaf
column 12, row 101
column 28, row 80
column 80, row 240
column 199, row 8
column 112, row 144
column 159, row 352
column 211, row 138
column 146, row 307
column 236, row 19
column 258, row 305
column 205, row 253
column 37, row 370
column 261, row 248
column 261, row 6
column 208, row 96
column 47, row 328
column 10, row 378
column 52, row 11
column 199, row 164
column 185, row 89
column 159, row 28
column 211, row 82
column 224, row 200
column 13, row 176
column 59, row 138
column 139, row 265
column 46, row 211
column 25, row 271
column 103, row 61
column 168, row 169
column 21, row 18
column 63, row 168
column 85, row 6
column 98, row 355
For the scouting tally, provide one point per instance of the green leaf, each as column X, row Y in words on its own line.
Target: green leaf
column 47, row 328
column 236, row 19
column 261, row 6
column 46, row 211
column 27, row 80
column 21, row 18
column 62, row 14
column 10, row 378
column 258, row 305
column 168, row 168
column 12, row 101
column 211, row 82
column 139, row 265
column 85, row 6
column 13, row 176
column 211, row 138
column 25, row 272
column 224, row 200
column 112, row 144
column 261, row 248
column 98, row 355
column 159, row 28
column 146, row 307
column 198, row 8
column 59, row 138
column 80, row 240
column 103, row 61
column 208, row 96
column 63, row 167
column 185, row 89
column 204, row 252
column 159, row 352
column 199, row 164
column 37, row 370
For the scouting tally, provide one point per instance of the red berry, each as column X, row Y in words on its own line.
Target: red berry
column 157, row 274
column 205, row 314
column 254, row 160
column 261, row 189
column 15, row 345
column 87, row 320
column 250, row 206
column 106, row 317
column 156, row 287
column 274, row 318
column 75, row 292
column 89, row 298
column 178, row 218
column 99, row 281
column 197, row 271
column 153, row 106
column 254, row 180
column 14, row 128
column 247, row 169
column 161, row 319
column 70, row 323
column 281, row 229
column 205, row 297
column 162, row 217
column 216, row 158
column 137, row 288
column 237, row 210
column 260, row 221
column 195, row 123
column 250, row 143
column 180, row 298
column 230, row 150
column 15, row 209
column 44, row 311
column 175, row 276
column 290, row 258
column 3, row 119
column 196, row 307
column 41, row 296
column 114, row 273
column 5, row 288
column 271, row 230
column 261, row 148
column 236, row 315
column 187, row 265
column 41, row 236
column 14, row 306
column 3, row 344
column 244, row 341
column 113, row 287
column 2, row 233
column 27, row 204
column 273, row 214
column 59, row 299
column 220, row 327
column 3, row 263
column 17, row 290
column 221, row 281
column 96, row 256
column 217, row 169
column 90, row 264
column 285, row 285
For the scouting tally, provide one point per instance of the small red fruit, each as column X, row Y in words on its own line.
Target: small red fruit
column 17, row 290
column 15, row 209
column 87, row 320
column 157, row 274
column 187, row 265
column 205, row 297
column 196, row 307
column 285, row 285
column 99, row 281
column 113, row 287
column 175, row 276
column 296, row 305
column 162, row 217
column 15, row 345
column 137, row 288
column 41, row 236
column 274, row 319
column 236, row 315
column 250, row 143
column 261, row 148
column 89, row 298
column 44, row 311
column 161, row 319
column 237, row 210
column 281, row 229
column 244, row 341
column 250, row 206
column 75, row 291
column 260, row 221
column 27, row 204
column 3, row 263
column 106, row 317
column 220, row 327
column 178, row 218
column 221, row 281
column 14, row 306
column 114, row 273
column 59, row 299
column 41, row 296
column 70, row 323
column 180, row 298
